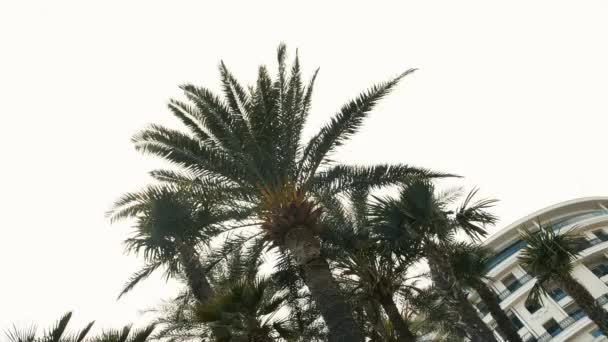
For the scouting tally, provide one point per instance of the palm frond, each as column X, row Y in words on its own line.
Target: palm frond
column 82, row 334
column 348, row 177
column 188, row 153
column 138, row 276
column 474, row 216
column 189, row 116
column 142, row 335
column 27, row 334
column 55, row 333
column 343, row 125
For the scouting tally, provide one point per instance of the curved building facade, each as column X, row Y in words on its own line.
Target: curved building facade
column 559, row 319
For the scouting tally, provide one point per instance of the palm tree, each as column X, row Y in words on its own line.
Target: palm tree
column 170, row 222
column 365, row 266
column 248, row 307
column 433, row 318
column 250, row 144
column 550, row 256
column 59, row 333
column 469, row 263
column 419, row 214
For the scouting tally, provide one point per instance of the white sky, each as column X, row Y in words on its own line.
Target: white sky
column 510, row 94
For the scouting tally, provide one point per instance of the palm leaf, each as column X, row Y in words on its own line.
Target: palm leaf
column 343, row 125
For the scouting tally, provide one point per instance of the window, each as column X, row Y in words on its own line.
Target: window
column 483, row 309
column 555, row 292
column 532, row 307
column 516, row 322
column 510, row 282
column 600, row 269
column 552, row 327
column 601, row 234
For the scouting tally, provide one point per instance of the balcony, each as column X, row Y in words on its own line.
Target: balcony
column 514, row 286
column 561, row 326
column 574, row 316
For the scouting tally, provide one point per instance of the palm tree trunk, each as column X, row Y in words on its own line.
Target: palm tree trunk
column 337, row 314
column 505, row 326
column 585, row 300
column 372, row 315
column 404, row 334
column 443, row 276
column 195, row 274
column 197, row 282
column 334, row 309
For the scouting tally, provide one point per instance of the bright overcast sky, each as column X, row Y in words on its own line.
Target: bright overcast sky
column 511, row 95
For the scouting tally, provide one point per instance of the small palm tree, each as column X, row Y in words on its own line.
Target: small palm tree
column 420, row 214
column 245, row 306
column 170, row 222
column 59, row 333
column 550, row 256
column 469, row 263
column 248, row 308
column 365, row 265
column 433, row 318
column 250, row 144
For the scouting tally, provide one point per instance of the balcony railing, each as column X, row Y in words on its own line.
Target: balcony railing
column 568, row 321
column 563, row 325
column 521, row 282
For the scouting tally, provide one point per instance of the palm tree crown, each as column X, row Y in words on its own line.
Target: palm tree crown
column 170, row 222
column 550, row 256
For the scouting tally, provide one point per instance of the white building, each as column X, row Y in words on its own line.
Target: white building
column 559, row 319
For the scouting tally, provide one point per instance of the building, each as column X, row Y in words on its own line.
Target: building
column 559, row 318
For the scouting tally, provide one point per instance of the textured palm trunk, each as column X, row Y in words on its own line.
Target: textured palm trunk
column 337, row 314
column 504, row 324
column 585, row 300
column 198, row 283
column 444, row 278
column 372, row 313
column 195, row 274
column 404, row 334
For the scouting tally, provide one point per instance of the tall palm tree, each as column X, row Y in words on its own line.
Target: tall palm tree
column 420, row 214
column 250, row 143
column 469, row 263
column 170, row 222
column 550, row 256
column 59, row 333
column 364, row 263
